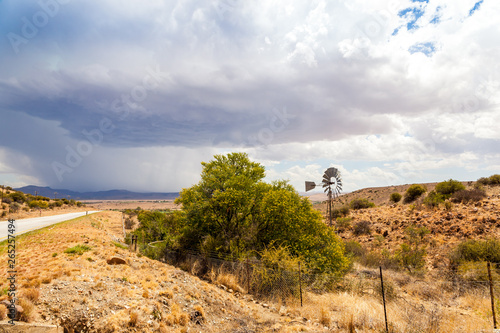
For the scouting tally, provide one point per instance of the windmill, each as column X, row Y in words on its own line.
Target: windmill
column 332, row 183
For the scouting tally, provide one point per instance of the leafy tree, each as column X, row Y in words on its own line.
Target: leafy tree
column 232, row 212
column 447, row 188
column 221, row 207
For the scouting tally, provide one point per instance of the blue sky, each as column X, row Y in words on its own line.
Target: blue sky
column 134, row 95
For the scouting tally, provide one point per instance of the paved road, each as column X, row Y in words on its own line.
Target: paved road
column 26, row 225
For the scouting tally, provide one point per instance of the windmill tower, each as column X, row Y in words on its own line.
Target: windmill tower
column 332, row 184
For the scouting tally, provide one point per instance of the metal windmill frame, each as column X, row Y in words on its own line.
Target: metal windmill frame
column 332, row 184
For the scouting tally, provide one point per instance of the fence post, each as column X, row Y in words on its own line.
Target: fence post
column 383, row 299
column 492, row 297
column 300, row 284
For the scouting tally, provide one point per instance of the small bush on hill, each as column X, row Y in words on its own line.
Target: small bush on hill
column 464, row 196
column 361, row 203
column 78, row 249
column 434, row 199
column 491, row 180
column 362, row 228
column 414, row 192
column 7, row 200
column 340, row 212
column 395, row 197
column 14, row 208
column 447, row 188
column 38, row 204
column 343, row 223
column 476, row 250
column 354, row 249
column 18, row 197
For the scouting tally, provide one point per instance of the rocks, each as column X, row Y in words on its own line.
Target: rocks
column 116, row 261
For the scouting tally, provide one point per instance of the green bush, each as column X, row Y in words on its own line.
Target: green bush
column 18, row 197
column 340, row 212
column 447, row 188
column 395, row 197
column 434, row 199
column 38, row 204
column 491, row 180
column 411, row 258
column 476, row 250
column 465, row 196
column 354, row 249
column 78, row 249
column 414, row 192
column 343, row 223
column 361, row 203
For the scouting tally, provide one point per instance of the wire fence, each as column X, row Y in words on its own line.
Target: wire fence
column 296, row 286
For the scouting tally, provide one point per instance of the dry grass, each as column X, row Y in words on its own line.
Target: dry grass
column 219, row 276
column 3, row 312
column 31, row 294
column 28, row 310
column 134, row 318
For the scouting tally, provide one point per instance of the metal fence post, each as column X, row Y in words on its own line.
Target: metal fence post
column 492, row 297
column 383, row 299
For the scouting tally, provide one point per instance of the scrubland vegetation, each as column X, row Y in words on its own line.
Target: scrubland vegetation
column 12, row 202
column 261, row 250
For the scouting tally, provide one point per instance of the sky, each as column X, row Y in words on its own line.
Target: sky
column 99, row 95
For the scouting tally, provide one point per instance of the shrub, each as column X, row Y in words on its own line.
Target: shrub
column 411, row 258
column 492, row 180
column 129, row 223
column 343, row 223
column 361, row 203
column 414, row 192
column 362, row 228
column 464, row 196
column 78, row 249
column 340, row 212
column 434, row 199
column 7, row 200
column 354, row 249
column 38, row 204
column 447, row 188
column 476, row 250
column 395, row 197
column 18, row 197
column 15, row 207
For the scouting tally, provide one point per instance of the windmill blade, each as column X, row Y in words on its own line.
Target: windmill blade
column 310, row 186
column 331, row 172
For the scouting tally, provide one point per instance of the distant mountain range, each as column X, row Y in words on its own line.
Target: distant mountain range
column 101, row 195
